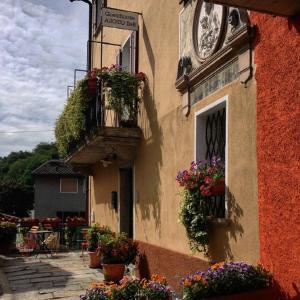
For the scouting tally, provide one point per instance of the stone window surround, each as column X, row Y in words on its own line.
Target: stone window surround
column 199, row 117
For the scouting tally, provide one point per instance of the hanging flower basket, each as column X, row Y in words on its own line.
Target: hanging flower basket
column 218, row 189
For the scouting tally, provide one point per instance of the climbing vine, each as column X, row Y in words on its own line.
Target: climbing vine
column 70, row 125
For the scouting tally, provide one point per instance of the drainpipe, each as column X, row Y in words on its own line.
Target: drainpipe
column 89, row 54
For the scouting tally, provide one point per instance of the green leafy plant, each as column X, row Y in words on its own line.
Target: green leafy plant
column 70, row 126
column 8, row 232
column 94, row 234
column 117, row 249
column 197, row 183
column 225, row 279
column 121, row 88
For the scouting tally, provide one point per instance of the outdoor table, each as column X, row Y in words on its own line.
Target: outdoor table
column 41, row 240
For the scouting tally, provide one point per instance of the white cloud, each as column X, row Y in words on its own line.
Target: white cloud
column 41, row 43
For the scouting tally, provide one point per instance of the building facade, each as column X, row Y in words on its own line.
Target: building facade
column 59, row 191
column 222, row 81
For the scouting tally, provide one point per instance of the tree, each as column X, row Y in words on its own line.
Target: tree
column 16, row 180
column 15, row 198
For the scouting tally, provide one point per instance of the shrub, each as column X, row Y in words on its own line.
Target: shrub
column 94, row 234
column 156, row 288
column 117, row 249
column 8, row 232
column 130, row 289
column 70, row 126
column 225, row 279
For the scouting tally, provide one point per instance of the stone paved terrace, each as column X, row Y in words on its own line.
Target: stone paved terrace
column 63, row 276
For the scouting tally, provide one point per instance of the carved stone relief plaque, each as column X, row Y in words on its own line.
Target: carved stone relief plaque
column 185, row 40
column 207, row 29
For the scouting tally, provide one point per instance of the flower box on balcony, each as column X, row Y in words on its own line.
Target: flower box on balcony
column 262, row 294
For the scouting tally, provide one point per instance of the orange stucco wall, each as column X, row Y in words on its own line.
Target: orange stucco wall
column 168, row 144
column 277, row 58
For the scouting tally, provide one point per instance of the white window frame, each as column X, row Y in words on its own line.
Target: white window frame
column 68, row 192
column 202, row 113
column 132, row 50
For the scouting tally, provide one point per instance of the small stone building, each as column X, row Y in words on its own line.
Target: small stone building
column 58, row 190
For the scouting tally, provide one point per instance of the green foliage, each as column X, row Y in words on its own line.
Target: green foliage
column 70, row 126
column 17, row 166
column 117, row 248
column 8, row 231
column 94, row 233
column 16, row 198
column 122, row 90
column 194, row 217
column 16, row 180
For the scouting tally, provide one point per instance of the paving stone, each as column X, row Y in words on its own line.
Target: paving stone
column 49, row 278
column 64, row 276
column 64, row 294
column 20, row 273
column 30, row 276
column 45, row 297
column 43, row 285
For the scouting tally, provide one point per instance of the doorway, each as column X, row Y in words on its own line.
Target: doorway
column 126, row 201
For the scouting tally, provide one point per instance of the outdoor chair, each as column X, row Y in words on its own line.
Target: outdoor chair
column 52, row 242
column 28, row 245
column 83, row 242
column 34, row 228
column 48, row 227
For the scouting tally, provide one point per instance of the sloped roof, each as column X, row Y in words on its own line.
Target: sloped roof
column 55, row 167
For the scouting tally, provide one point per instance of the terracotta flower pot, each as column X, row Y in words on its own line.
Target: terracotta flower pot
column 219, row 188
column 94, row 260
column 113, row 272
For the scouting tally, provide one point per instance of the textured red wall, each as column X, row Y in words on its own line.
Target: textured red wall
column 171, row 264
column 277, row 59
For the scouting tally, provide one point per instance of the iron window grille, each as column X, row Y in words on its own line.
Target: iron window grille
column 215, row 137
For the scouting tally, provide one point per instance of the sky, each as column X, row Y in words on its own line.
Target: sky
column 41, row 43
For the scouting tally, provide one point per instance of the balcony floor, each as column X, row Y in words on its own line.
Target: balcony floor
column 107, row 141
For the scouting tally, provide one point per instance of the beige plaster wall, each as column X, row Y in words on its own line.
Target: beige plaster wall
column 102, row 183
column 168, row 144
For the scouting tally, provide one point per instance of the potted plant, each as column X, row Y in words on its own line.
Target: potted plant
column 116, row 251
column 8, row 232
column 200, row 182
column 29, row 222
column 231, row 278
column 122, row 88
column 93, row 235
column 54, row 222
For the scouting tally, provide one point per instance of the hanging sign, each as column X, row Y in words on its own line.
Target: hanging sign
column 119, row 19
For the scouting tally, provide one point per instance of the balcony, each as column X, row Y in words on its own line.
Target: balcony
column 285, row 8
column 99, row 124
column 106, row 137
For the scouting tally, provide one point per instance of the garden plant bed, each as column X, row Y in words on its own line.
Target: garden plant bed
column 263, row 294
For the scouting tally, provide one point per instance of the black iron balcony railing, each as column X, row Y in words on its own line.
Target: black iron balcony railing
column 99, row 114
